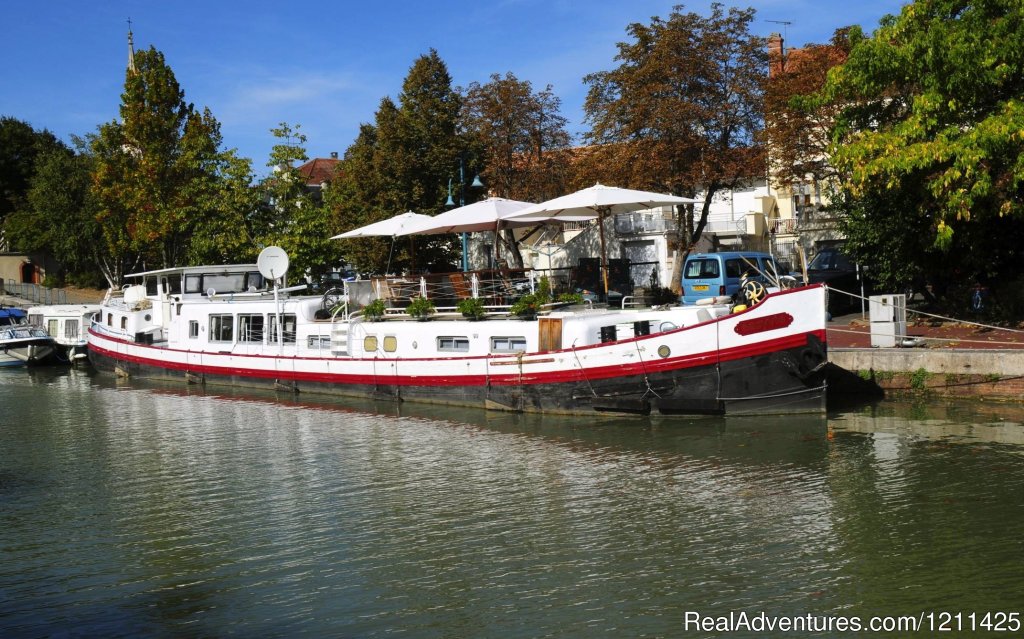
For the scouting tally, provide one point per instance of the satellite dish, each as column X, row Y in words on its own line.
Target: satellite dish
column 272, row 262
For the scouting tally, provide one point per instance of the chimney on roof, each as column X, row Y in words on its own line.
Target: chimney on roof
column 776, row 55
column 334, row 155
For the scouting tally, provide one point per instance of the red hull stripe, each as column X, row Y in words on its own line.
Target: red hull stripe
column 505, row 378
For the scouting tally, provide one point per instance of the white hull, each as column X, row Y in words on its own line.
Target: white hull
column 67, row 325
column 691, row 359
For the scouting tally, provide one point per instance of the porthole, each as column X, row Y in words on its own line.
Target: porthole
column 390, row 344
column 147, row 317
column 370, row 343
column 664, row 351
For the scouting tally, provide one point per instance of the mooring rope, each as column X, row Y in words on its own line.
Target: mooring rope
column 928, row 337
column 942, row 317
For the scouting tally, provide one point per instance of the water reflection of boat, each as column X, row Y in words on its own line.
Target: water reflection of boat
column 20, row 342
column 800, row 439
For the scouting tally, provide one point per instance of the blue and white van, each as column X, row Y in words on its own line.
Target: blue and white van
column 718, row 274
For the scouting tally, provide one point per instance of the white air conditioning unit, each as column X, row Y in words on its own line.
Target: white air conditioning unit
column 888, row 315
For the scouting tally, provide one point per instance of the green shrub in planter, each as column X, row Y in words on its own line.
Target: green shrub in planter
column 420, row 308
column 528, row 305
column 471, row 308
column 374, row 311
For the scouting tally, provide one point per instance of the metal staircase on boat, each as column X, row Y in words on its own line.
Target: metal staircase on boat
column 339, row 338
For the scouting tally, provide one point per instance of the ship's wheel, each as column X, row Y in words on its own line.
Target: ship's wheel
column 754, row 292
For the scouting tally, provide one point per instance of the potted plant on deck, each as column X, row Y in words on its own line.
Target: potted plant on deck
column 472, row 308
column 527, row 306
column 421, row 308
column 374, row 311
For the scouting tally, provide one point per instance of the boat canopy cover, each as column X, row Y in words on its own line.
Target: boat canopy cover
column 15, row 313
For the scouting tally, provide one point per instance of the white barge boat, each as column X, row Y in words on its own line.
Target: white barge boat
column 220, row 324
column 66, row 324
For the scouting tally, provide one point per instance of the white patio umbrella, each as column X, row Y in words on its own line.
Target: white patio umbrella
column 600, row 201
column 472, row 218
column 390, row 227
column 492, row 214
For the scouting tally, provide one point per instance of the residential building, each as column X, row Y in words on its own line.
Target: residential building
column 318, row 172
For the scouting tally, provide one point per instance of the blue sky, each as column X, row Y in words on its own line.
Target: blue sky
column 326, row 66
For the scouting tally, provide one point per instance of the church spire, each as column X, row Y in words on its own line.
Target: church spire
column 131, row 49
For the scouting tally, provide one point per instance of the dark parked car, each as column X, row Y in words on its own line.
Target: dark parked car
column 838, row 271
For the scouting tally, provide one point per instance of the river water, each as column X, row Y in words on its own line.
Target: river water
column 131, row 509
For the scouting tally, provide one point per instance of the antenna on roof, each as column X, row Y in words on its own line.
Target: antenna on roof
column 784, row 23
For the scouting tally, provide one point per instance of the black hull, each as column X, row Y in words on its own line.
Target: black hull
column 787, row 381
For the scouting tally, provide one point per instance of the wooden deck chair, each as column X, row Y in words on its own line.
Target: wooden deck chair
column 381, row 289
column 460, row 286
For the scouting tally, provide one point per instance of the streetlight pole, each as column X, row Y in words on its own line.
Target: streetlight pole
column 462, row 202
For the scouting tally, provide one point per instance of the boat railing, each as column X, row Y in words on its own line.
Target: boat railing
column 498, row 287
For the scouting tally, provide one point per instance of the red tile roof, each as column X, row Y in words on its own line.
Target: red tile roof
column 319, row 170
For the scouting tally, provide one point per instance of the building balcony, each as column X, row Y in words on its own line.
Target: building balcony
column 642, row 224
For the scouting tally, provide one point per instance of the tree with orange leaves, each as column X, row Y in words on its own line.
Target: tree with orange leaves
column 683, row 111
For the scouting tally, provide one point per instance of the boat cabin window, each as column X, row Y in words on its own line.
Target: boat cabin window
column 508, row 344
column 172, row 285
column 230, row 283
column 193, row 329
column 124, row 323
column 390, row 343
column 71, row 328
column 110, row 319
column 288, row 336
column 370, row 343
column 250, row 328
column 221, row 328
column 193, row 283
column 453, row 344
column 222, row 282
column 51, row 328
column 318, row 342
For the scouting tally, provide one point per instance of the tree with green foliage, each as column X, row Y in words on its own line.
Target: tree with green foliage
column 289, row 215
column 403, row 162
column 932, row 115
column 60, row 218
column 20, row 147
column 683, row 110
column 229, row 230
column 157, row 167
column 517, row 131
